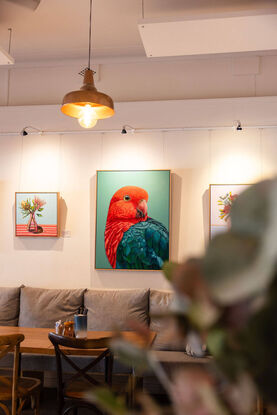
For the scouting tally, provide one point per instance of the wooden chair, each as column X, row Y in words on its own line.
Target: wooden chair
column 71, row 389
column 16, row 389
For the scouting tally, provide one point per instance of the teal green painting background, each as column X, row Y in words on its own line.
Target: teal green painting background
column 49, row 213
column 155, row 182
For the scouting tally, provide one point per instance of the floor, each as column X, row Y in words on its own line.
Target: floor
column 48, row 405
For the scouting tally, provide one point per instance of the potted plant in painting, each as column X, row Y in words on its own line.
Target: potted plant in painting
column 32, row 208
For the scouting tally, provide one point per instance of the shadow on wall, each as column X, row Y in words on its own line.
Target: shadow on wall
column 34, row 243
column 92, row 210
column 175, row 215
column 63, row 216
column 206, row 215
column 2, row 215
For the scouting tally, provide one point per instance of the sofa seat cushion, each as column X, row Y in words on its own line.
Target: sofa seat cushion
column 112, row 309
column 9, row 306
column 40, row 307
column 160, row 303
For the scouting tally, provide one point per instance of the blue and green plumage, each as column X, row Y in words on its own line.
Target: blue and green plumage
column 144, row 245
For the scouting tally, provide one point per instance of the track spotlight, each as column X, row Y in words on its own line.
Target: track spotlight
column 25, row 131
column 124, row 129
column 237, row 125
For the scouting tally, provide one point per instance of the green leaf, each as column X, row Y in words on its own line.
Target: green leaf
column 250, row 213
column 107, row 400
column 168, row 269
column 131, row 355
column 38, row 214
column 216, row 341
column 229, row 257
column 40, row 209
column 203, row 314
column 140, row 359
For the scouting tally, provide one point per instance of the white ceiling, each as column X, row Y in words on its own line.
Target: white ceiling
column 58, row 29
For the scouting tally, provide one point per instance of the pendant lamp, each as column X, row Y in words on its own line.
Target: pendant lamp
column 87, row 104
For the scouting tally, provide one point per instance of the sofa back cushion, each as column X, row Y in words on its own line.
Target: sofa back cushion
column 166, row 339
column 9, row 306
column 111, row 309
column 40, row 307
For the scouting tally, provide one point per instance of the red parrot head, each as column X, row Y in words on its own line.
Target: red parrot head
column 128, row 206
column 129, row 202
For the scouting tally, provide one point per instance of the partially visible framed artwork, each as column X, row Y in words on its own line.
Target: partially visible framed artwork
column 37, row 214
column 132, row 219
column 222, row 197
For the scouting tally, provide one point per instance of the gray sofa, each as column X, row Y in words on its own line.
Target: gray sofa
column 107, row 310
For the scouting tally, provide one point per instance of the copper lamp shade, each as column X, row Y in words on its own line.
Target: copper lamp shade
column 75, row 101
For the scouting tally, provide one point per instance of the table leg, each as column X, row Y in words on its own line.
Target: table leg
column 109, row 368
column 260, row 409
column 136, row 385
column 19, row 364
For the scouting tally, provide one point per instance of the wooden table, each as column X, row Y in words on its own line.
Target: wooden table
column 36, row 340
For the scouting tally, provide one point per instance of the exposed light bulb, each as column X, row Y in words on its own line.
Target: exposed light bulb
column 88, row 117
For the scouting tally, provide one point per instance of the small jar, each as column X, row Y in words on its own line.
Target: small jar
column 68, row 329
column 59, row 327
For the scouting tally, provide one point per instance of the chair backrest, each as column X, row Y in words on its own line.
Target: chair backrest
column 75, row 343
column 11, row 343
column 59, row 342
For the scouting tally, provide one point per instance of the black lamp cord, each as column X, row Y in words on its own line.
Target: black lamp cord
column 89, row 51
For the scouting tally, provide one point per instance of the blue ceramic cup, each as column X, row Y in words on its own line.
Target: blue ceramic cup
column 80, row 325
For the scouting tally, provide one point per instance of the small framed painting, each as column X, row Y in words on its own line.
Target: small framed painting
column 132, row 219
column 37, row 214
column 222, row 197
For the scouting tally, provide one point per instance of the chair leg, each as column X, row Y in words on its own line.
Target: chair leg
column 20, row 406
column 260, row 406
column 60, row 408
column 136, row 385
column 37, row 403
column 109, row 369
column 4, row 408
column 71, row 410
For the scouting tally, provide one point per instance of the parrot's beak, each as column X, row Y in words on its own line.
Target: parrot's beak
column 141, row 209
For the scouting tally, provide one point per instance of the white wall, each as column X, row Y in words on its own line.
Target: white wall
column 68, row 162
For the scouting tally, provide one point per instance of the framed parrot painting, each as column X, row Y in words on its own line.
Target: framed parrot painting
column 132, row 219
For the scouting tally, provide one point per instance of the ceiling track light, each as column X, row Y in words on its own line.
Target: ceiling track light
column 87, row 104
column 237, row 125
column 125, row 131
column 25, row 131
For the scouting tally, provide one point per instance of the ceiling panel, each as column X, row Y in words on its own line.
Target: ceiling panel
column 58, row 29
column 5, row 58
column 210, row 36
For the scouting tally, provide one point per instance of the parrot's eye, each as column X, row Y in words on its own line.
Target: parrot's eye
column 126, row 198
